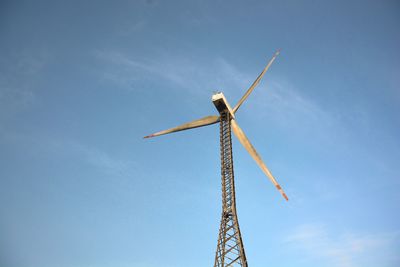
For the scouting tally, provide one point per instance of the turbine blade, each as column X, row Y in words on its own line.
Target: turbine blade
column 252, row 151
column 193, row 124
column 255, row 83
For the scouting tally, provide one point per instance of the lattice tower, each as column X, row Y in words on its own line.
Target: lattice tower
column 230, row 250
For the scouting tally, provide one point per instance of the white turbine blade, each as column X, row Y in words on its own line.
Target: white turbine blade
column 255, row 83
column 193, row 124
column 246, row 143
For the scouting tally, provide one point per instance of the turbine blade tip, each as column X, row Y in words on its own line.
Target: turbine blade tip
column 285, row 196
column 148, row 136
column 282, row 192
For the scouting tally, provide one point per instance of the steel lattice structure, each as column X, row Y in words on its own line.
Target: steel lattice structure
column 230, row 249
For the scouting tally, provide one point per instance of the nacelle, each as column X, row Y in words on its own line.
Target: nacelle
column 222, row 104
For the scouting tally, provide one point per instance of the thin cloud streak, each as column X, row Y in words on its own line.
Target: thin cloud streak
column 318, row 242
column 17, row 82
column 130, row 70
column 98, row 159
column 50, row 146
column 192, row 76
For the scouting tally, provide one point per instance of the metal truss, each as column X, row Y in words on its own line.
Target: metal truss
column 230, row 250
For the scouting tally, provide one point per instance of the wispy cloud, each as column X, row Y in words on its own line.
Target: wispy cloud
column 319, row 243
column 99, row 159
column 16, row 97
column 283, row 102
column 183, row 73
column 55, row 147
column 18, row 75
column 126, row 70
column 133, row 27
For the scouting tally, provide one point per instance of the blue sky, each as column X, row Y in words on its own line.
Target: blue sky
column 81, row 82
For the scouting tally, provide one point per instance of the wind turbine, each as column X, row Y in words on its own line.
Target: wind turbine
column 230, row 249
